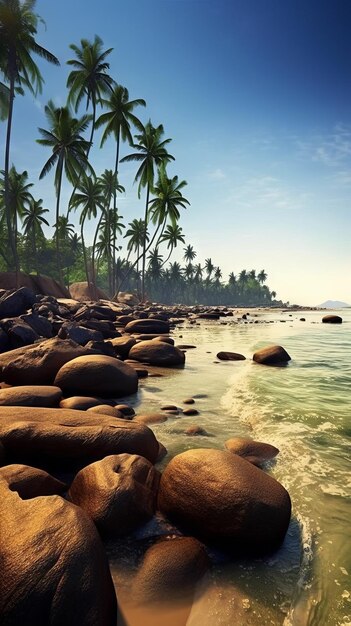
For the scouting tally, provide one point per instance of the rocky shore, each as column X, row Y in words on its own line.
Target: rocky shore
column 79, row 467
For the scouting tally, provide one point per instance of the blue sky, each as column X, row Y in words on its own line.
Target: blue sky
column 256, row 96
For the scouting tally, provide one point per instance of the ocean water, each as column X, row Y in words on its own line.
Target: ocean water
column 303, row 409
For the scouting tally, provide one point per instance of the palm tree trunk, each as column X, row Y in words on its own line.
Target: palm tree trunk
column 7, row 189
column 58, row 192
column 84, row 250
column 144, row 243
column 93, row 255
column 114, row 277
column 87, row 155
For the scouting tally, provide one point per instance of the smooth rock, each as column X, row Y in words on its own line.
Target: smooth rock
column 230, row 356
column 147, row 326
column 118, row 493
column 102, row 375
column 70, row 437
column 17, row 302
column 332, row 319
column 54, row 566
column 271, row 355
column 30, row 482
column 122, row 345
column 157, row 353
column 82, row 403
column 105, row 409
column 222, row 498
column 255, row 452
column 151, row 418
column 30, row 395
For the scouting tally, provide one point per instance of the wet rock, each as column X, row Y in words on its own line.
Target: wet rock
column 102, row 375
column 127, row 410
column 157, row 353
column 195, row 430
column 42, row 436
column 255, row 452
column 190, row 412
column 50, row 545
column 170, row 571
column 271, row 355
column 189, row 401
column 169, row 407
column 151, row 418
column 230, row 356
column 209, row 316
column 332, row 319
column 162, row 452
column 118, row 493
column 223, row 499
column 147, row 326
column 31, row 395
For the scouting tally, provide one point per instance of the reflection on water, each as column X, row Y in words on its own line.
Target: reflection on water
column 304, row 410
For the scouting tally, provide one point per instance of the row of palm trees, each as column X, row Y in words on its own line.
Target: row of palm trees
column 69, row 137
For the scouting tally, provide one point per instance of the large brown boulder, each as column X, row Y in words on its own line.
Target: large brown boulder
column 68, row 437
column 30, row 395
column 222, row 498
column 157, row 353
column 54, row 567
column 122, row 345
column 255, row 452
column 84, row 292
column 118, row 493
column 99, row 374
column 39, row 364
column 332, row 319
column 130, row 299
column 147, row 326
column 271, row 355
column 31, row 482
column 38, row 284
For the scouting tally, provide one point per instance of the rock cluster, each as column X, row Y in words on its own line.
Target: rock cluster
column 77, row 464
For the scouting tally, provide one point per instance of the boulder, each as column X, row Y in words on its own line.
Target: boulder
column 147, row 326
column 17, row 302
column 39, row 364
column 255, row 452
column 105, row 409
column 230, row 356
column 79, row 334
column 209, row 316
column 39, row 324
column 85, row 293
column 129, row 299
column 118, row 493
column 21, row 334
column 195, row 430
column 98, row 374
column 82, row 403
column 30, row 395
column 332, row 319
column 30, row 482
column 151, row 418
column 271, row 355
column 70, row 437
column 170, row 570
column 122, row 345
column 50, row 545
column 223, row 499
column 157, row 353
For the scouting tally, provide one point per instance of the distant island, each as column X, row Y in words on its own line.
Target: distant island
column 333, row 304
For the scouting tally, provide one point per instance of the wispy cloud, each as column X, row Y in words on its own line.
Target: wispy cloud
column 332, row 149
column 268, row 192
column 217, row 174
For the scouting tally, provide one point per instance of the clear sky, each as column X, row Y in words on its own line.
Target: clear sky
column 256, row 96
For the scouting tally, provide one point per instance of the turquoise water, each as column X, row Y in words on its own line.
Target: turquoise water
column 304, row 410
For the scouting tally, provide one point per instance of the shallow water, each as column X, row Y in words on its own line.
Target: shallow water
column 304, row 410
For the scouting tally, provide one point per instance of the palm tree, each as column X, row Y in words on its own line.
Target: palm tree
column 218, row 274
column 151, row 153
column 18, row 27
column 136, row 233
column 209, row 267
column 89, row 198
column 33, row 220
column 118, row 119
column 19, row 196
column 69, row 150
column 172, row 235
column 110, row 187
column 167, row 201
column 89, row 78
column 189, row 253
column 262, row 277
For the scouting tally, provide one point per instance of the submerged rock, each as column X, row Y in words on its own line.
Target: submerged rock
column 230, row 356
column 271, row 355
column 332, row 319
column 147, row 326
column 157, row 353
column 255, row 452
